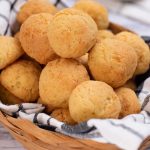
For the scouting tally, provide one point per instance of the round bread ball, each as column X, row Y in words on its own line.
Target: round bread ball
column 22, row 80
column 57, row 81
column 112, row 61
column 32, row 7
column 93, row 99
column 72, row 33
column 10, row 50
column 129, row 101
column 63, row 115
column 97, row 11
column 103, row 34
column 17, row 35
column 130, row 84
column 141, row 49
column 8, row 98
column 34, row 40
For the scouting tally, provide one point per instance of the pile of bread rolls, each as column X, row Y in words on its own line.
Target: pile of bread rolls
column 69, row 61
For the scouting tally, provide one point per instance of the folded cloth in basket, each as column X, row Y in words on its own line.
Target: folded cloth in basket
column 127, row 133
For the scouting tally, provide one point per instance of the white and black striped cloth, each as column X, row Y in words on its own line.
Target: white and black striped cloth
column 9, row 9
column 127, row 133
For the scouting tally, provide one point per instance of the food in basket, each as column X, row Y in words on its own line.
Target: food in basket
column 141, row 49
column 93, row 99
column 83, row 60
column 95, row 10
column 130, row 84
column 39, row 101
column 64, row 83
column 34, row 7
column 72, row 33
column 34, row 40
column 8, row 98
column 27, row 57
column 112, row 61
column 57, row 81
column 63, row 115
column 129, row 101
column 10, row 50
column 22, row 80
column 17, row 35
column 103, row 34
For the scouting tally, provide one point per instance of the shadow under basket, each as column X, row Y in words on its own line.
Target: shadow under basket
column 34, row 138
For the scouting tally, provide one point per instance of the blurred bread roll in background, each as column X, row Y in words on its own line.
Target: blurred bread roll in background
column 63, row 115
column 34, row 40
column 129, row 101
column 112, row 61
column 103, row 34
column 72, row 33
column 57, row 81
column 10, row 50
column 140, row 47
column 93, row 99
column 32, row 7
column 97, row 11
column 17, row 35
column 22, row 80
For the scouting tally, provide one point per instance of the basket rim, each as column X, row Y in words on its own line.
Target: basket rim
column 18, row 128
column 21, row 126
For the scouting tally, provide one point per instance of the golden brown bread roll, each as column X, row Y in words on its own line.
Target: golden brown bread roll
column 17, row 35
column 22, row 79
column 63, row 115
column 129, row 101
column 95, row 10
column 8, row 98
column 10, row 50
column 112, row 61
column 141, row 49
column 57, row 81
column 103, row 34
column 72, row 33
column 32, row 7
column 34, row 40
column 93, row 99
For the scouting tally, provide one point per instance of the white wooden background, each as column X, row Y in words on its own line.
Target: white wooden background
column 7, row 142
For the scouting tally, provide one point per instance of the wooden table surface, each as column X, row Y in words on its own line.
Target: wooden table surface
column 7, row 142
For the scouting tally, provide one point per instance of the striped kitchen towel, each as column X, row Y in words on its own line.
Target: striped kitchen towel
column 127, row 133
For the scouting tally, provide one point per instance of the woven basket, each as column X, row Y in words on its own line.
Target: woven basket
column 35, row 138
